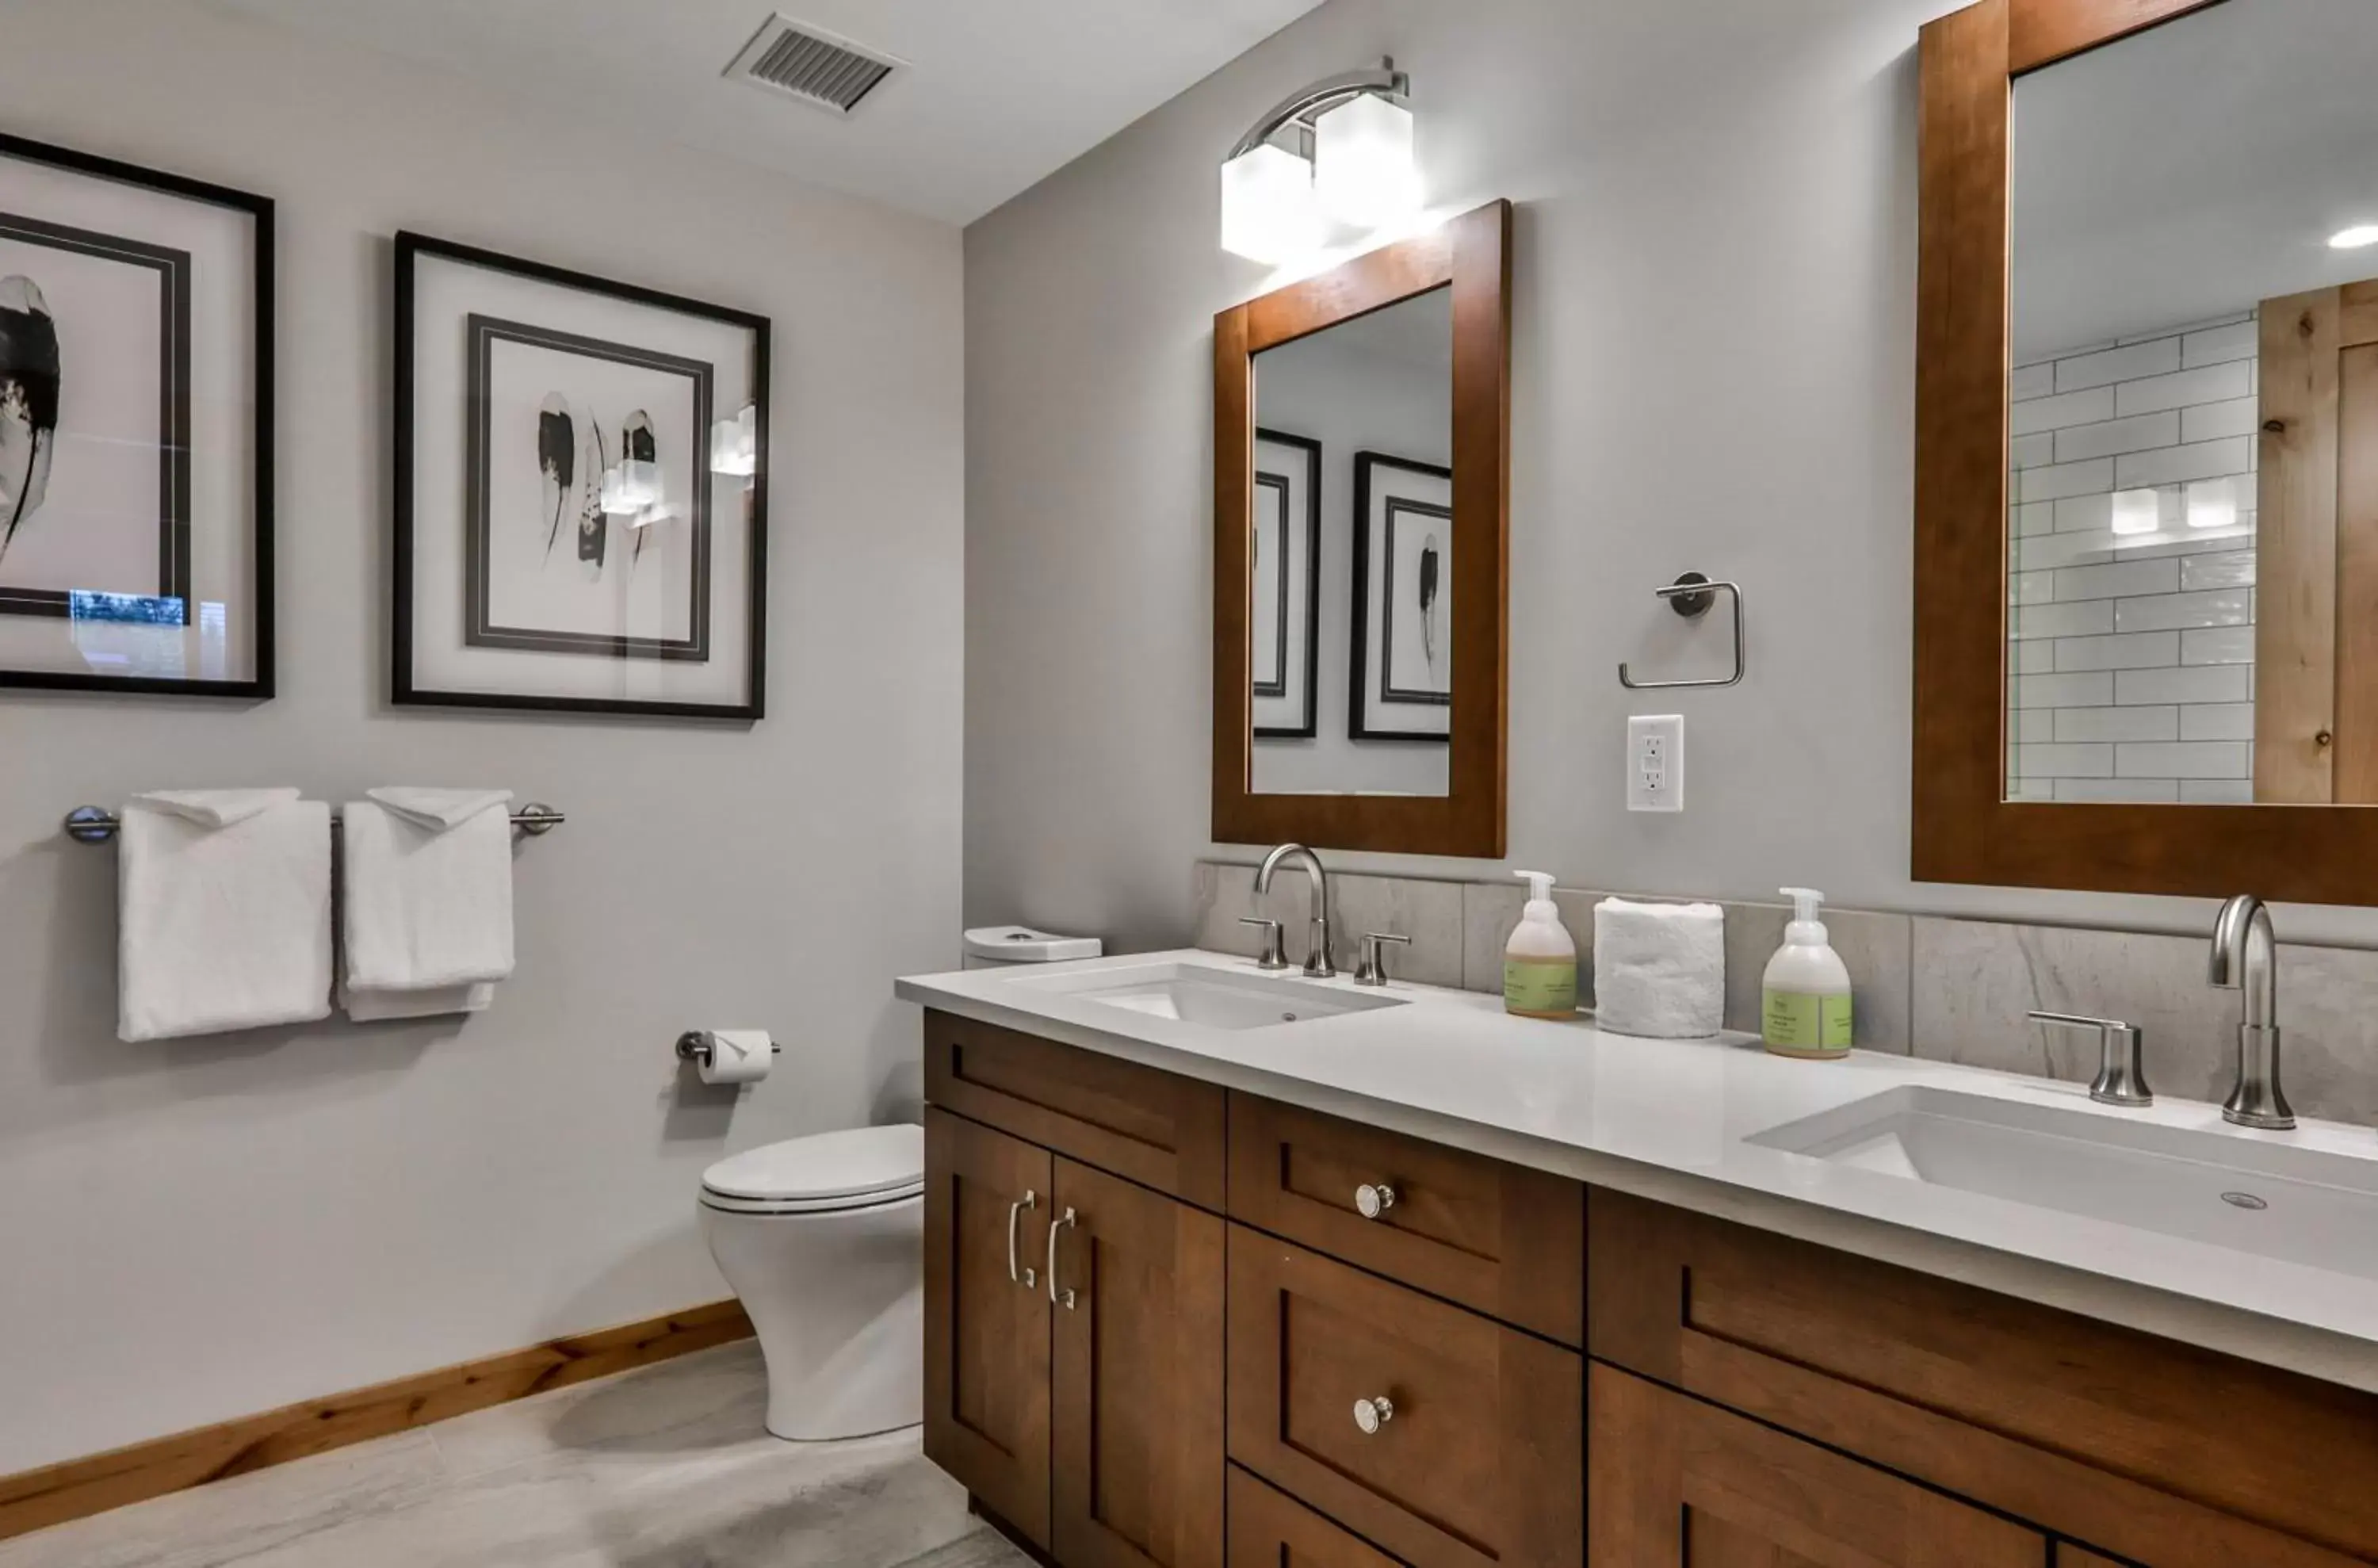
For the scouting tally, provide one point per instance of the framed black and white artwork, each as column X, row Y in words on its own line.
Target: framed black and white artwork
column 136, row 429
column 1285, row 624
column 582, row 491
column 1401, row 672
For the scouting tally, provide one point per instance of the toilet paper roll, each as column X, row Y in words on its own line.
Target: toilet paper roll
column 736, row 1055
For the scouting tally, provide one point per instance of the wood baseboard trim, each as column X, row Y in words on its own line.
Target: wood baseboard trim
column 74, row 1489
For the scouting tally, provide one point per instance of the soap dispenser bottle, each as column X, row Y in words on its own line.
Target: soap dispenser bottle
column 1540, row 962
column 1806, row 1008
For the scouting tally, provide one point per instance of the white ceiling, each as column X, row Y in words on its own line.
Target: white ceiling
column 1000, row 94
column 2194, row 171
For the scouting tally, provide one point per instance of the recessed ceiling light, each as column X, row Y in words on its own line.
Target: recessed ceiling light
column 2354, row 238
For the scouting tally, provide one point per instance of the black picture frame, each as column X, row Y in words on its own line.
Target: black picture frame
column 410, row 248
column 175, row 459
column 1310, row 727
column 479, row 630
column 1361, row 723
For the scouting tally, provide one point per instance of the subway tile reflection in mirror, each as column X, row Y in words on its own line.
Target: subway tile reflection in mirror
column 2194, row 413
column 1351, row 656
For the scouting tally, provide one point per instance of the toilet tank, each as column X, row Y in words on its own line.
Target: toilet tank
column 994, row 947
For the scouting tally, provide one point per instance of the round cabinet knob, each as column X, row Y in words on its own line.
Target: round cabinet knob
column 1370, row 1415
column 1372, row 1199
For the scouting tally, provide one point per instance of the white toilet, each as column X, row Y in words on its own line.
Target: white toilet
column 823, row 1240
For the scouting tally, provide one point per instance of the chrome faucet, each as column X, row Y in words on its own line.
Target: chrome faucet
column 1316, row 957
column 2246, row 959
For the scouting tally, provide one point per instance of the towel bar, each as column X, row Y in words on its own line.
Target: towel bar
column 90, row 825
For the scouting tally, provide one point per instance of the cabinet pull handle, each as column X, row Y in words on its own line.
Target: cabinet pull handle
column 1374, row 1198
column 1370, row 1415
column 1057, row 1297
column 1024, row 1277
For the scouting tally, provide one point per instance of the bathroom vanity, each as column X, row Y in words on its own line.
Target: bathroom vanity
column 1399, row 1279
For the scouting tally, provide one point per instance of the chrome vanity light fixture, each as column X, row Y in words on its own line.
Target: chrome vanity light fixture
column 1339, row 151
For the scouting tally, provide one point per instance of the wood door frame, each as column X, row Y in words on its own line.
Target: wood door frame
column 1964, row 829
column 1471, row 254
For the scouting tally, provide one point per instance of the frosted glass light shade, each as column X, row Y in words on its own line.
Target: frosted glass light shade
column 1267, row 210
column 2137, row 511
column 2211, row 503
column 735, row 445
column 1363, row 171
column 631, row 488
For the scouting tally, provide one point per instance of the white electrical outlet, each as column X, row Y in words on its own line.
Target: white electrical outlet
column 1655, row 762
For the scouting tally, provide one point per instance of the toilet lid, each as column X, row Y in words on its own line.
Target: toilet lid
column 867, row 1162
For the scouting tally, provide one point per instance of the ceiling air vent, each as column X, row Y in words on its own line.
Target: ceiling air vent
column 811, row 64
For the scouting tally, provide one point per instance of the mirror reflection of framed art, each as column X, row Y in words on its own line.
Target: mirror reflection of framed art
column 582, row 491
column 136, row 429
column 1401, row 687
column 1285, row 624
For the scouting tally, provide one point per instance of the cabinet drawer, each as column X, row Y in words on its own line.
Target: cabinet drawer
column 1679, row 1482
column 1504, row 1240
column 1154, row 1129
column 1482, row 1460
column 2149, row 1450
column 1270, row 1529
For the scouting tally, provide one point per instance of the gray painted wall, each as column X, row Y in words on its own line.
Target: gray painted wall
column 206, row 1228
column 1714, row 369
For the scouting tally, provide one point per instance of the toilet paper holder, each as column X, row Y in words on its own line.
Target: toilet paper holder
column 692, row 1047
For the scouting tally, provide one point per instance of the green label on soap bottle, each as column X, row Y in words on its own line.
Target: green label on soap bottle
column 1540, row 986
column 1796, row 1021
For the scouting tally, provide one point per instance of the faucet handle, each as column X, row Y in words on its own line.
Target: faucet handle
column 2121, row 1071
column 1274, row 956
column 1372, row 970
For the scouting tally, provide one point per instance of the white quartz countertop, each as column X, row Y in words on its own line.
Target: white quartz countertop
column 1668, row 1120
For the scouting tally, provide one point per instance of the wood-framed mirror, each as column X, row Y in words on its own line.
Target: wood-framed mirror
column 2146, row 504
column 1362, row 483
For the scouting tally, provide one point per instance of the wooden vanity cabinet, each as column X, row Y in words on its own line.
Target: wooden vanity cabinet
column 1475, row 1454
column 1135, row 1381
column 1271, row 1529
column 1674, row 1481
column 987, row 1342
column 1568, row 1376
column 1079, row 1395
column 1500, row 1239
column 2153, row 1452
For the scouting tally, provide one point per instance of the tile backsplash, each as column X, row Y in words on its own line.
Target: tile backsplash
column 1950, row 990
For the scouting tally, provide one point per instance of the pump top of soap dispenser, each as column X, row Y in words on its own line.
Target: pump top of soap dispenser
column 1540, row 886
column 1805, row 930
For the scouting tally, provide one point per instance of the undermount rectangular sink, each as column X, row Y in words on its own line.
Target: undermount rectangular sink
column 2291, row 1204
column 1218, row 998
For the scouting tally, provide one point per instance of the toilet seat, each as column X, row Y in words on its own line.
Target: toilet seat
column 829, row 1172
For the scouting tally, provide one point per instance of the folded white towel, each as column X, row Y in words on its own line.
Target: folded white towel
column 427, row 906
column 436, row 1001
column 439, row 808
column 215, row 808
column 1659, row 970
column 223, row 911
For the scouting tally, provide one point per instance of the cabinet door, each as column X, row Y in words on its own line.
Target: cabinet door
column 1137, row 1383
column 1675, row 1483
column 986, row 1206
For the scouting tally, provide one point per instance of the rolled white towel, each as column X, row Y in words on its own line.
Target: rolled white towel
column 1659, row 970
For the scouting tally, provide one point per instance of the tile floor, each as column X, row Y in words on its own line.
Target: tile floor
column 664, row 1467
